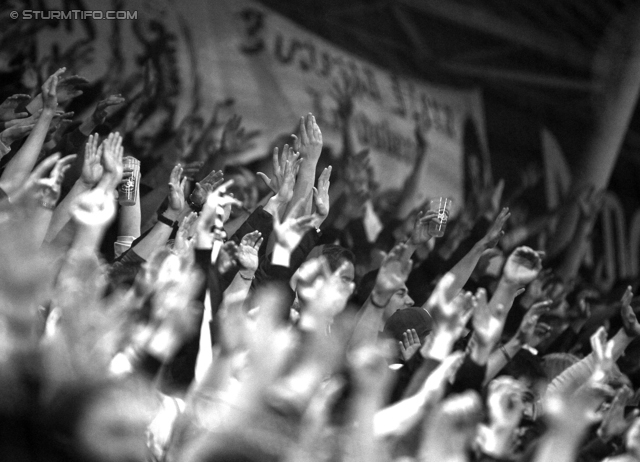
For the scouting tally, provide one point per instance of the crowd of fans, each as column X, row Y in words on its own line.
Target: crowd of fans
column 226, row 314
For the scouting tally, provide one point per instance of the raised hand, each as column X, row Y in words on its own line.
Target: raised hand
column 95, row 208
column 522, row 266
column 410, row 344
column 49, row 91
column 489, row 200
column 219, row 198
column 614, row 422
column 603, row 354
column 227, row 258
column 531, row 332
column 176, row 192
column 392, row 275
column 9, row 135
column 67, row 88
column 629, row 320
column 537, row 289
column 102, row 109
column 247, row 254
column 9, row 106
column 450, row 311
column 344, row 91
column 111, row 161
column 506, row 408
column 321, row 197
column 487, row 321
column 234, row 137
column 323, row 292
column 285, row 170
column 505, row 402
column 420, row 234
column 495, row 232
column 289, row 233
column 183, row 242
column 31, row 120
column 203, row 188
column 310, row 138
column 92, row 166
column 49, row 188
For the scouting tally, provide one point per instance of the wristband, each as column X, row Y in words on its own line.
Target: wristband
column 504, row 352
column 245, row 278
column 377, row 305
column 167, row 221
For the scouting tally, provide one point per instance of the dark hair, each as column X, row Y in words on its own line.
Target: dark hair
column 365, row 287
column 336, row 254
column 524, row 364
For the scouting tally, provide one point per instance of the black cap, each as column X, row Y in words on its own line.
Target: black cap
column 409, row 318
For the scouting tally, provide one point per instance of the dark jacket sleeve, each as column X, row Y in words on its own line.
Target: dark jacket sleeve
column 125, row 269
column 469, row 377
column 419, row 281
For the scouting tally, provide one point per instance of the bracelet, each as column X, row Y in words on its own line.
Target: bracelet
column 504, row 352
column 47, row 205
column 377, row 305
column 245, row 278
column 168, row 222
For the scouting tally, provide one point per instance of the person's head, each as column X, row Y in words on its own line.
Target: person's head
column 526, row 369
column 399, row 300
column 409, row 318
column 336, row 255
column 244, row 188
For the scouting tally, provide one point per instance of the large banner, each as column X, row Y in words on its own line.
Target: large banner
column 275, row 72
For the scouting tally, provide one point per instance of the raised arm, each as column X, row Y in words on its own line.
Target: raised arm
column 391, row 279
column 589, row 204
column 412, row 184
column 162, row 230
column 92, row 171
column 521, row 268
column 463, row 269
column 310, row 150
column 19, row 167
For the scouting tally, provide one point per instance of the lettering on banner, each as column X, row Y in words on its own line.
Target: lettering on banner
column 253, row 41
